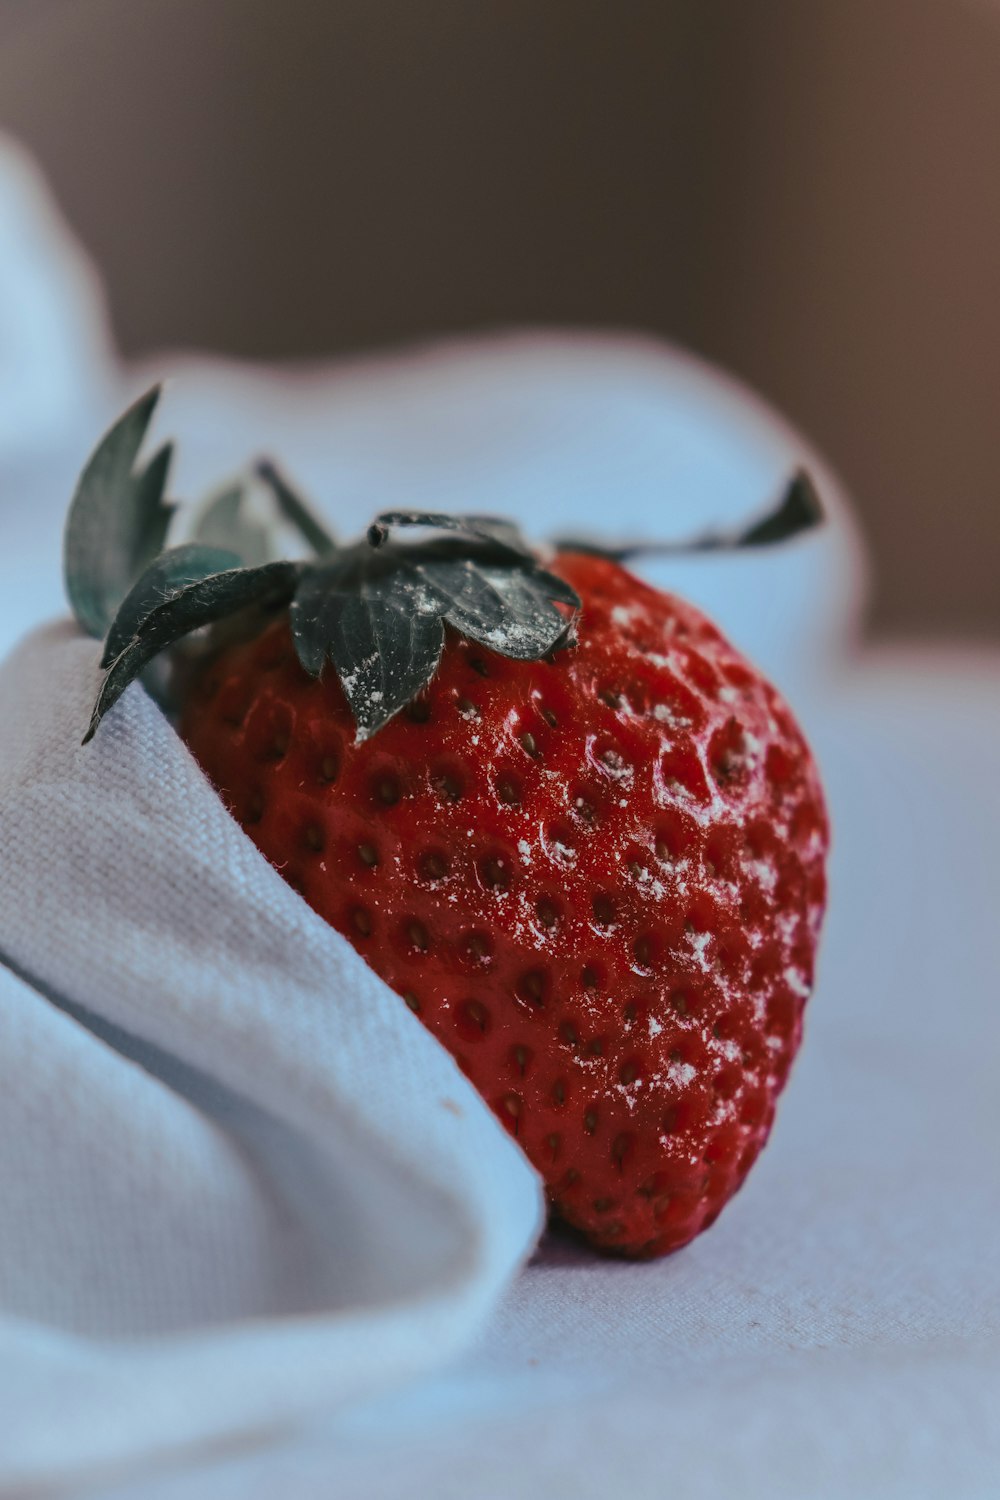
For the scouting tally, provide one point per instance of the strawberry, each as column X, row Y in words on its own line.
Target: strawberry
column 551, row 806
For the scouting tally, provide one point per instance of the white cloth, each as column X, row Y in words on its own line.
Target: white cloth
column 247, row 1205
column 305, row 1156
column 55, row 349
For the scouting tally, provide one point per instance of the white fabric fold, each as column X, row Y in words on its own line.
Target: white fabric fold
column 240, row 1179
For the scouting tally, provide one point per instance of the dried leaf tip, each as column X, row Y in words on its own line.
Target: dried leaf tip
column 798, row 510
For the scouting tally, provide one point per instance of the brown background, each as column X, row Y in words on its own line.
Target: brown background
column 805, row 192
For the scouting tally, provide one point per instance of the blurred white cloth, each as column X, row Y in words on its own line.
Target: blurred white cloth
column 55, row 350
column 246, row 1201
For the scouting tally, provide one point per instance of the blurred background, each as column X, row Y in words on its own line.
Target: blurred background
column 806, row 194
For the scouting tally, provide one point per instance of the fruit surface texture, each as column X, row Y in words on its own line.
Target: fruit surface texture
column 597, row 878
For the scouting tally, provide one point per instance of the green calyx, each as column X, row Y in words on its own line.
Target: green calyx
column 375, row 609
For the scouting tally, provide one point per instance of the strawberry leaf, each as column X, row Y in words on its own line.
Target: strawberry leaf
column 378, row 625
column 117, row 520
column 503, row 535
column 506, row 609
column 171, row 573
column 798, row 510
column 185, row 609
column 147, row 490
column 383, row 654
column 224, row 522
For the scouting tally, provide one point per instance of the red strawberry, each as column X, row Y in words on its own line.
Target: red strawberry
column 598, row 879
column 593, row 865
